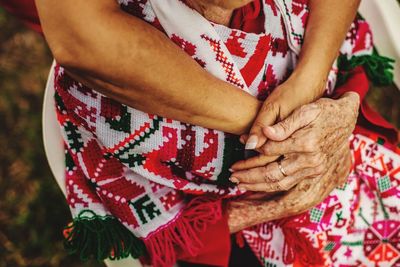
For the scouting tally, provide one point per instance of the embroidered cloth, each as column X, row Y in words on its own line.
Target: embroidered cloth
column 142, row 185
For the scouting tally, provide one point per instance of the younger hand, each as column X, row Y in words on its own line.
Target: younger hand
column 287, row 97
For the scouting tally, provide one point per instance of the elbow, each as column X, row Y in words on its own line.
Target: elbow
column 66, row 55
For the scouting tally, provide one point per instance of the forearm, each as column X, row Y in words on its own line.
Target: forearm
column 134, row 63
column 327, row 26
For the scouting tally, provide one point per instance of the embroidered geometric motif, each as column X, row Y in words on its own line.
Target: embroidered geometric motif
column 223, row 59
column 384, row 183
column 316, row 215
column 342, row 187
column 145, row 208
column 74, row 137
column 329, row 246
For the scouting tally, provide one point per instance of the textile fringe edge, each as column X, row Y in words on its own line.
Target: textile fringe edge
column 185, row 232
column 379, row 69
column 102, row 237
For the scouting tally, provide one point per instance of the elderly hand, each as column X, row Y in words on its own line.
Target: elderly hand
column 309, row 140
column 307, row 194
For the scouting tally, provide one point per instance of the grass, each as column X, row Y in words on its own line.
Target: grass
column 32, row 208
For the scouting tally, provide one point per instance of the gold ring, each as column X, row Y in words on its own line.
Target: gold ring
column 281, row 168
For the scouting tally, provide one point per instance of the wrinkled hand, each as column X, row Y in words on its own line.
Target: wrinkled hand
column 307, row 194
column 309, row 139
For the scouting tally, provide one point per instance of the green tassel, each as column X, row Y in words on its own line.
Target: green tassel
column 101, row 237
column 379, row 69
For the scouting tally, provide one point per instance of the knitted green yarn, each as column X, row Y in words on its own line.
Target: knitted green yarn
column 379, row 69
column 101, row 237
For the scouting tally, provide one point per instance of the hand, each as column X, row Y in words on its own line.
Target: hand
column 290, row 95
column 307, row 194
column 309, row 140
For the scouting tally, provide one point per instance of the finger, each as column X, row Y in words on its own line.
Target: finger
column 254, row 162
column 276, row 148
column 291, row 165
column 300, row 118
column 283, row 185
column 267, row 116
column 270, row 173
column 243, row 138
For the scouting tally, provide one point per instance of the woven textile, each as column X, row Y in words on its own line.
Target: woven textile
column 153, row 185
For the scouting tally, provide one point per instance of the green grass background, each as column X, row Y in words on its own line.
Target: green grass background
column 32, row 209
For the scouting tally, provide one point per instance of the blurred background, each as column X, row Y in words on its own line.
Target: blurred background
column 32, row 208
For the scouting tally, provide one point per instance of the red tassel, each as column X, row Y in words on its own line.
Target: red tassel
column 184, row 232
column 298, row 246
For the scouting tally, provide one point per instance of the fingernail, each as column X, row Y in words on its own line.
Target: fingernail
column 251, row 142
column 242, row 188
column 234, row 180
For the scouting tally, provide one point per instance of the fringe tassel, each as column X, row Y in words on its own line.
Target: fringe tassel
column 379, row 69
column 298, row 247
column 101, row 237
column 184, row 232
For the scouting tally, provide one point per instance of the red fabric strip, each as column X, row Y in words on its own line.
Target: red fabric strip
column 369, row 121
column 249, row 18
column 199, row 235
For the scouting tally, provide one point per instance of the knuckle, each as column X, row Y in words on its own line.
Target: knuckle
column 268, row 175
column 309, row 111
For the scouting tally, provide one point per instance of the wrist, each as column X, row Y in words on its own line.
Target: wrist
column 310, row 81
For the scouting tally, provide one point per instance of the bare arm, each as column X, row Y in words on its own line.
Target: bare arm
column 134, row 63
column 328, row 23
column 327, row 26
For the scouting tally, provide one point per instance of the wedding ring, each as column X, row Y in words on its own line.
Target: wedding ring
column 281, row 168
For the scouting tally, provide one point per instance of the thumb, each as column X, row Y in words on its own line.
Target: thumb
column 300, row 118
column 267, row 116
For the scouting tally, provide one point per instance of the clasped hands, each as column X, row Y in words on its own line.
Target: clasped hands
column 314, row 157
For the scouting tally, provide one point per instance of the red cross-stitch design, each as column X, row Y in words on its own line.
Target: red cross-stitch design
column 223, row 59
